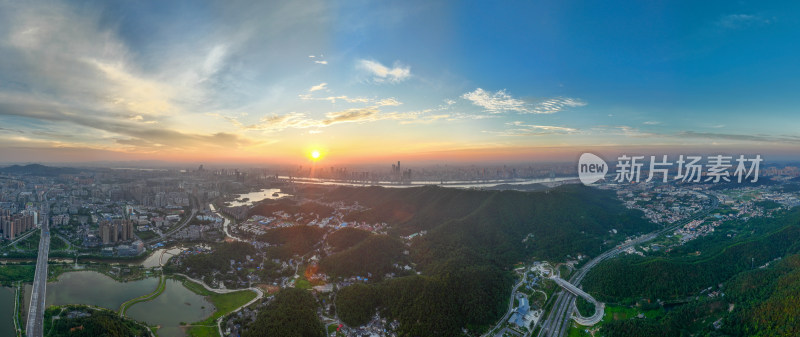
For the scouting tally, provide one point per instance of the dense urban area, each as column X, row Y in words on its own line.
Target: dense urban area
column 507, row 251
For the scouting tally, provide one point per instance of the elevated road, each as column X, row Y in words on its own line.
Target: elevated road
column 598, row 306
column 35, row 324
column 556, row 322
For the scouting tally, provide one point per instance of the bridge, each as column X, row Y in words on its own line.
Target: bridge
column 35, row 324
column 599, row 307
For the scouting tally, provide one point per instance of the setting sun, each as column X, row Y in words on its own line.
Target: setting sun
column 315, row 154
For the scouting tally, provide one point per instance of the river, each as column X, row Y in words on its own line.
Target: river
column 453, row 184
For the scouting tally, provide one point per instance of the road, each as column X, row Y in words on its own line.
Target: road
column 257, row 290
column 186, row 221
column 599, row 307
column 510, row 305
column 556, row 323
column 35, row 325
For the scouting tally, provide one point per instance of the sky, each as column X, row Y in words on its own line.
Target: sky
column 365, row 81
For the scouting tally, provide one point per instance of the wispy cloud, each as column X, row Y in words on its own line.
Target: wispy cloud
column 391, row 101
column 651, row 123
column 622, row 130
column 318, row 87
column 787, row 139
column 318, row 59
column 500, row 101
column 388, row 102
column 496, row 102
column 334, row 99
column 554, row 105
column 518, row 128
column 381, row 73
column 739, row 21
column 296, row 120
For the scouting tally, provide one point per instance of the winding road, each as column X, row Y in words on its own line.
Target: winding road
column 556, row 323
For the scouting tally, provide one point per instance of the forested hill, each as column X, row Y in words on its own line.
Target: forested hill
column 566, row 220
column 473, row 239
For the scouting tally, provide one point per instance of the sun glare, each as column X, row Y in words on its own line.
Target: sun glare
column 315, row 154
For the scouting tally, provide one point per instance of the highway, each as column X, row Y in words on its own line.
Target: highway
column 556, row 322
column 599, row 307
column 35, row 324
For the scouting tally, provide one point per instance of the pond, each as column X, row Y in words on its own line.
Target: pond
column 7, row 311
column 177, row 304
column 93, row 288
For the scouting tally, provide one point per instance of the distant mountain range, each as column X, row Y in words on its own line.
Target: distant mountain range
column 38, row 170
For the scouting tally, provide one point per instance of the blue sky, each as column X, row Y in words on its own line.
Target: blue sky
column 367, row 81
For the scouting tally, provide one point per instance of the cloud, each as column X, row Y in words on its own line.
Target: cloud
column 496, row 102
column 554, row 105
column 518, row 128
column 298, row 120
column 318, row 59
column 651, row 123
column 333, row 99
column 740, row 21
column 623, row 130
column 787, row 139
column 388, row 102
column 501, row 101
column 382, row 73
column 351, row 115
column 318, row 87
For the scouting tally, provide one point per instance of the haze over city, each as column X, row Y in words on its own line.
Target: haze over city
column 363, row 82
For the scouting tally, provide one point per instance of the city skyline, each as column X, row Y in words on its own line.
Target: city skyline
column 265, row 83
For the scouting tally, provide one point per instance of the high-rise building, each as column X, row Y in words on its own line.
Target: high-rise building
column 117, row 230
column 105, row 233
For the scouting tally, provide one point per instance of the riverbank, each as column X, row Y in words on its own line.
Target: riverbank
column 162, row 285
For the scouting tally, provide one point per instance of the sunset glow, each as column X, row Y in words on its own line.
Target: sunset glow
column 177, row 83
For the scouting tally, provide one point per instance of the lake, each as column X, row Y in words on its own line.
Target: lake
column 177, row 304
column 7, row 311
column 254, row 197
column 93, row 288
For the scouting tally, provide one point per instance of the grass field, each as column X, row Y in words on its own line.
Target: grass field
column 576, row 330
column 12, row 273
column 202, row 331
column 147, row 235
column 302, row 283
column 224, row 304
